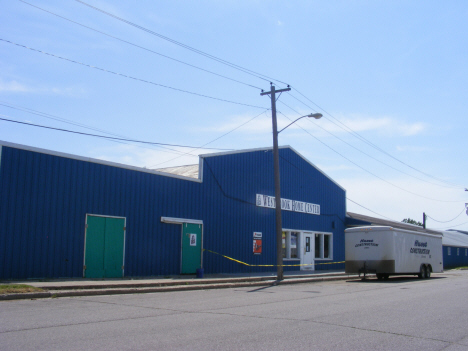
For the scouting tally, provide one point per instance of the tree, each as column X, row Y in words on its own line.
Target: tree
column 412, row 221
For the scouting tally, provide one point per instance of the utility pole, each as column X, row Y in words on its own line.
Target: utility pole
column 424, row 220
column 279, row 227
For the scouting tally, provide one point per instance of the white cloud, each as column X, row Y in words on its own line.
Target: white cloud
column 410, row 148
column 13, row 86
column 384, row 125
column 146, row 157
column 16, row 87
column 397, row 204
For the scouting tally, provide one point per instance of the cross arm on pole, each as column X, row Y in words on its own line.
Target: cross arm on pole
column 276, row 91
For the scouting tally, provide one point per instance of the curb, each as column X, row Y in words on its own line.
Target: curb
column 169, row 288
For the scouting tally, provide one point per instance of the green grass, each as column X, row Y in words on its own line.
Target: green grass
column 17, row 289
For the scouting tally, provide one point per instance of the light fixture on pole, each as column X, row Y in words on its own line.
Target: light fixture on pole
column 279, row 227
column 314, row 115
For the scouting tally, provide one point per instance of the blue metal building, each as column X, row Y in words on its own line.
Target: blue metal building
column 69, row 216
column 455, row 248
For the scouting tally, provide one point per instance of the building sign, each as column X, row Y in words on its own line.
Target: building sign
column 288, row 205
column 257, row 243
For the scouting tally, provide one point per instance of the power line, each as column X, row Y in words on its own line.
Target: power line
column 363, row 152
column 354, row 202
column 64, row 120
column 143, row 48
column 130, row 77
column 112, row 138
column 365, row 170
column 212, row 57
column 366, row 141
column 212, row 141
column 308, row 174
column 452, row 226
column 447, row 221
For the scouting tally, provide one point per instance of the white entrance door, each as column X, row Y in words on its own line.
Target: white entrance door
column 308, row 256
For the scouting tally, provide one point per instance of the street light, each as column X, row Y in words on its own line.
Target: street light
column 279, row 229
column 314, row 115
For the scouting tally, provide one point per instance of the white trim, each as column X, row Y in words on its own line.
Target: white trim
column 266, row 149
column 94, row 160
column 98, row 215
column 173, row 220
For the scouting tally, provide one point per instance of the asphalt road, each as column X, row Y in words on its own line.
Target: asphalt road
column 399, row 314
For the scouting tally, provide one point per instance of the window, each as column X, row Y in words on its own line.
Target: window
column 290, row 244
column 466, row 252
column 458, row 251
column 323, row 245
column 449, row 252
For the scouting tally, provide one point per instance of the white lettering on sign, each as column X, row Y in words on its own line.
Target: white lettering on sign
column 288, row 205
column 257, row 235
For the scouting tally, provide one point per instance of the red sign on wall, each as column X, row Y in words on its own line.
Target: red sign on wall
column 257, row 243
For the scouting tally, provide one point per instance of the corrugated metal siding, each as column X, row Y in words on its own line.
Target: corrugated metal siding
column 233, row 182
column 453, row 260
column 43, row 205
column 44, row 200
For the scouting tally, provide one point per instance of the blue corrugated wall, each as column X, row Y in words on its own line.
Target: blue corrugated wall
column 458, row 257
column 232, row 182
column 44, row 200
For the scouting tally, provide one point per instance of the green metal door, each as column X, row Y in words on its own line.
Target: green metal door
column 191, row 248
column 104, row 249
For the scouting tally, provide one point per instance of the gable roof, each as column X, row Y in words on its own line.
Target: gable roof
column 357, row 220
column 216, row 154
column 455, row 238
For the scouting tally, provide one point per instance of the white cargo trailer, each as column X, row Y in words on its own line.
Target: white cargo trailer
column 389, row 251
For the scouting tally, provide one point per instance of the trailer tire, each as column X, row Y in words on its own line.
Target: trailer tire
column 422, row 272
column 379, row 276
column 385, row 276
column 428, row 272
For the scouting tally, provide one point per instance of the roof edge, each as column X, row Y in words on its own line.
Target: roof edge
column 95, row 160
column 225, row 153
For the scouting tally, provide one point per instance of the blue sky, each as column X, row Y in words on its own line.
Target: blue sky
column 390, row 78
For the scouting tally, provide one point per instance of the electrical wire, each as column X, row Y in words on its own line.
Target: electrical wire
column 367, row 171
column 365, row 153
column 111, row 138
column 354, row 202
column 212, row 141
column 130, row 77
column 64, row 120
column 447, row 221
column 452, row 226
column 237, row 67
column 308, row 174
column 141, row 47
column 212, row 57
column 366, row 141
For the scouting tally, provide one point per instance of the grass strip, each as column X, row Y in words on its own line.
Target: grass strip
column 17, row 289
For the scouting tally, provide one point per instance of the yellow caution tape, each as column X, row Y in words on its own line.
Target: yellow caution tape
column 271, row 265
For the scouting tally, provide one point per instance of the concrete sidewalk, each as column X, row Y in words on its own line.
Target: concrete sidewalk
column 87, row 287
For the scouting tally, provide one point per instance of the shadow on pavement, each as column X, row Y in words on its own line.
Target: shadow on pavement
column 393, row 280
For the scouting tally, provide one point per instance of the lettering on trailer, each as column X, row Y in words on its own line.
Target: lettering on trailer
column 366, row 243
column 419, row 250
column 288, row 205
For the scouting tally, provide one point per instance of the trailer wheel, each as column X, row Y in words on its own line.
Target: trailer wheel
column 428, row 272
column 422, row 272
column 385, row 276
column 379, row 276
